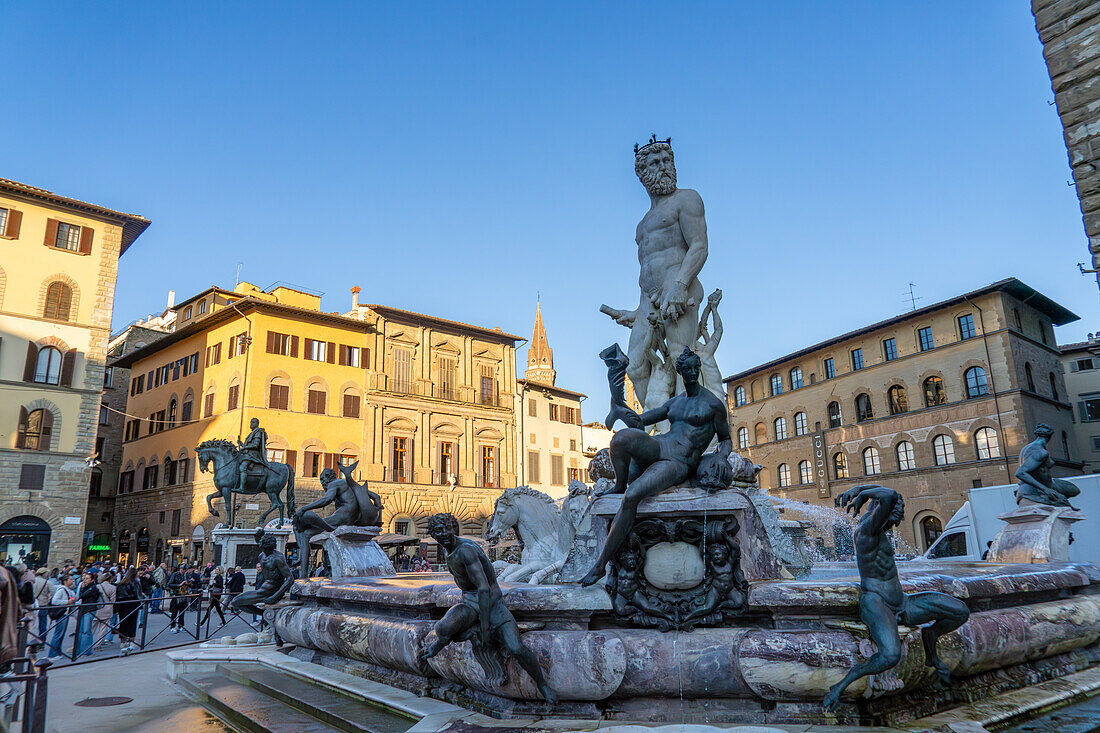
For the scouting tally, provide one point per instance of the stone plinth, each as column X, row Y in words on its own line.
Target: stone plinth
column 238, row 547
column 1034, row 533
column 353, row 553
column 758, row 557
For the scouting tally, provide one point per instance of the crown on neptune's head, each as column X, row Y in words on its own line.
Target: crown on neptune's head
column 652, row 141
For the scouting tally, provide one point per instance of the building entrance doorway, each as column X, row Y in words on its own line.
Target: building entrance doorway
column 25, row 539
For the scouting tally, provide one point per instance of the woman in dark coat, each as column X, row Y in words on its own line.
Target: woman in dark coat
column 127, row 605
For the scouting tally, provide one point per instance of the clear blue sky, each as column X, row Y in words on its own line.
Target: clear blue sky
column 458, row 158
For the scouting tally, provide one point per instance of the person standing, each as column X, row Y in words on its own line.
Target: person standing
column 176, row 607
column 105, row 611
column 160, row 582
column 88, row 594
column 59, row 612
column 127, row 605
column 43, row 591
column 217, row 588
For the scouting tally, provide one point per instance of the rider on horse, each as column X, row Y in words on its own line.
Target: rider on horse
column 253, row 451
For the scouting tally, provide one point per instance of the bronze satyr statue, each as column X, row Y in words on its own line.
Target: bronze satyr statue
column 356, row 506
column 481, row 617
column 646, row 465
column 276, row 575
column 882, row 604
column 1036, row 483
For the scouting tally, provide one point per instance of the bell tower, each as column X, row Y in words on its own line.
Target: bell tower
column 540, row 357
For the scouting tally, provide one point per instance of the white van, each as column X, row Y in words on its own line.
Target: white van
column 969, row 532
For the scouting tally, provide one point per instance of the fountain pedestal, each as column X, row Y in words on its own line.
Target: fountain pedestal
column 1034, row 533
column 353, row 553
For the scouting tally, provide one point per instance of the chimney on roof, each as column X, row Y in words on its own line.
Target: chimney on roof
column 171, row 298
column 355, row 298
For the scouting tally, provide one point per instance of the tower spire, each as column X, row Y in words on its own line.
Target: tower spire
column 540, row 357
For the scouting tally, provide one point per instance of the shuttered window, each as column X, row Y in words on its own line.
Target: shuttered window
column 448, row 379
column 234, row 393
column 279, row 396
column 59, row 301
column 208, row 407
column 402, row 370
column 10, row 220
column 351, row 404
column 282, row 344
column 315, row 401
column 557, row 471
column 488, row 386
column 533, row 467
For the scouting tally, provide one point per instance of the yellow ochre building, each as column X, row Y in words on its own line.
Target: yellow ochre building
column 424, row 404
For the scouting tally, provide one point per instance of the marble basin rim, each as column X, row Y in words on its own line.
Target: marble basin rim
column 797, row 638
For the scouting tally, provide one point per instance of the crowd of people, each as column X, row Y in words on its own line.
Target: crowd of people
column 96, row 602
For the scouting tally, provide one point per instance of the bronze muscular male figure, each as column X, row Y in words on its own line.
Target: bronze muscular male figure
column 481, row 617
column 882, row 604
column 252, row 452
column 1036, row 483
column 646, row 465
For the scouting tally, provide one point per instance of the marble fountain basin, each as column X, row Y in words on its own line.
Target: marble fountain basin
column 798, row 637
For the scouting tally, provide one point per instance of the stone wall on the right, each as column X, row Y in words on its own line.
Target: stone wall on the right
column 1070, row 33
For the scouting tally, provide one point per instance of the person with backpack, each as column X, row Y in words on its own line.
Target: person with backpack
column 104, row 613
column 42, row 591
column 59, row 612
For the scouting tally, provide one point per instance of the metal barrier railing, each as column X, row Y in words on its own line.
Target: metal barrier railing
column 91, row 632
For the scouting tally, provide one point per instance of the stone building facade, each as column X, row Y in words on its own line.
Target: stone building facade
column 548, row 422
column 414, row 399
column 1081, row 367
column 1070, row 34
column 58, row 265
column 99, row 522
column 930, row 403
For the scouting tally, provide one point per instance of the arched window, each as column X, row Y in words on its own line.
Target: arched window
column 871, row 465
column 47, row 369
column 800, row 426
column 834, row 414
column 930, row 530
column 944, row 449
column 863, row 408
column 1065, row 444
column 316, row 399
column 1053, row 385
column 776, row 384
column 796, row 378
column 899, row 401
column 35, row 429
column 59, row 301
column 1028, row 377
column 761, row 433
column 742, row 438
column 985, row 442
column 781, row 428
column 905, row 456
column 278, row 394
column 840, row 465
column 976, row 382
column 934, row 393
column 173, row 408
column 351, row 403
column 739, row 397
column 784, row 474
column 805, row 476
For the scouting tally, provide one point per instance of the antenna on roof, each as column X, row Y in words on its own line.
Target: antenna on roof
column 239, row 265
column 913, row 298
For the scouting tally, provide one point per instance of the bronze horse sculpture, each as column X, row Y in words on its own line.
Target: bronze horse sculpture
column 271, row 481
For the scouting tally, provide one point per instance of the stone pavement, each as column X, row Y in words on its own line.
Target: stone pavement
column 157, row 707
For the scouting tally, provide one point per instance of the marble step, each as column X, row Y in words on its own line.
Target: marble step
column 245, row 708
column 341, row 711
